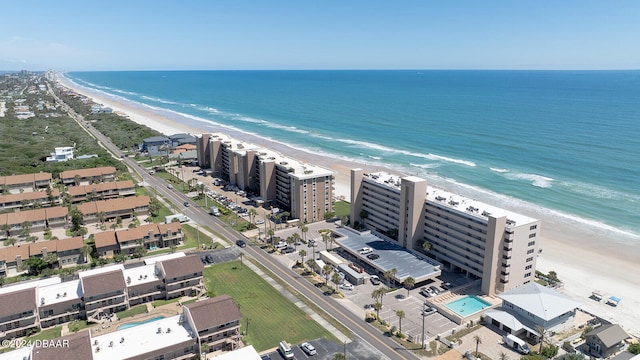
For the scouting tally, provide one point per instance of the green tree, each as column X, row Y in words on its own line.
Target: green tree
column 634, row 348
column 26, row 228
column 252, row 213
column 408, row 284
column 400, row 314
column 302, row 254
column 154, row 207
column 426, row 247
column 389, row 274
column 339, row 356
column 503, row 356
column 378, row 294
column 542, row 331
column 34, row 265
column 76, row 220
column 336, row 279
column 296, row 239
column 304, row 228
column 329, row 215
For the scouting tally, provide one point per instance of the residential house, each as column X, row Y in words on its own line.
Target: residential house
column 182, row 139
column 605, row 341
column 34, row 220
column 104, row 291
column 60, row 303
column 11, row 259
column 61, row 154
column 16, row 184
column 88, row 176
column 182, row 276
column 56, row 217
column 182, row 148
column 156, row 145
column 101, row 191
column 106, row 244
column 151, row 236
column 18, row 313
column 216, row 321
column 69, row 252
column 530, row 306
column 114, row 208
column 29, row 199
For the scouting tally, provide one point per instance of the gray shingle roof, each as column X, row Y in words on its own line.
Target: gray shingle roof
column 543, row 302
column 609, row 334
column 213, row 312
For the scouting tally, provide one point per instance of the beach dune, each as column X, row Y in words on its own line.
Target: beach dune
column 584, row 260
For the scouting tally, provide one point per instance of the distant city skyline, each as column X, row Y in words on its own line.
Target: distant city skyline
column 235, row 35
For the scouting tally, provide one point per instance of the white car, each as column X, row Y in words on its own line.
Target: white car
column 308, row 348
column 366, row 250
column 346, row 286
column 259, row 221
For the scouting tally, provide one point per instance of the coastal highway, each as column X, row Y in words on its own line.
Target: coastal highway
column 357, row 325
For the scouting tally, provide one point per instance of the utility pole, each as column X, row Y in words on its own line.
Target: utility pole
column 198, row 235
column 423, row 330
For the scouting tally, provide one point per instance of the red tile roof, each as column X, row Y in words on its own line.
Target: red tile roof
column 104, row 239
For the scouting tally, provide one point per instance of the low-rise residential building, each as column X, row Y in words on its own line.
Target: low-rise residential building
column 606, row 340
column 532, row 305
column 28, row 221
column 216, row 321
column 30, row 199
column 144, row 284
column 16, row 184
column 60, row 303
column 104, row 210
column 182, row 276
column 11, row 259
column 88, row 176
column 156, row 145
column 151, row 236
column 18, row 313
column 101, row 191
column 104, row 291
column 106, row 244
column 61, row 154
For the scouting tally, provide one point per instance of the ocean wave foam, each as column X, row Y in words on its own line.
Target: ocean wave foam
column 499, row 170
column 158, row 100
column 424, row 166
column 535, row 179
column 600, row 192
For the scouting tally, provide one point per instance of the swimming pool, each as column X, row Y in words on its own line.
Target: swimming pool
column 130, row 325
column 468, row 305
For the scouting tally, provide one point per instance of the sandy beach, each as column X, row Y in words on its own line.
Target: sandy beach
column 583, row 259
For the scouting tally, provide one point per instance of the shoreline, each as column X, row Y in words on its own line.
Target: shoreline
column 585, row 260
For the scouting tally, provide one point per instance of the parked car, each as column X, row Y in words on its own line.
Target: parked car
column 434, row 290
column 241, row 243
column 446, row 285
column 366, row 250
column 209, row 259
column 203, row 259
column 375, row 280
column 373, row 256
column 259, row 221
column 428, row 310
column 346, row 286
column 308, row 348
column 287, row 250
column 426, row 292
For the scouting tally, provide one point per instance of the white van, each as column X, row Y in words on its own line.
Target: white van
column 516, row 343
column 285, row 350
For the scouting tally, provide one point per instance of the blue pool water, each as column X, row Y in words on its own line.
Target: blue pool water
column 468, row 305
column 130, row 325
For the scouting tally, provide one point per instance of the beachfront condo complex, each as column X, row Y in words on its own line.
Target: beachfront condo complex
column 498, row 246
column 304, row 190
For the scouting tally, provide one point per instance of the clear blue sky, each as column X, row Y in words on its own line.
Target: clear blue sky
column 261, row 34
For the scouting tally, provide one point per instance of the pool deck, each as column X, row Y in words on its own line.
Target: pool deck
column 167, row 310
column 440, row 302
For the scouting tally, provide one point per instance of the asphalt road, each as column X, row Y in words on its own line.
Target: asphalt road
column 387, row 347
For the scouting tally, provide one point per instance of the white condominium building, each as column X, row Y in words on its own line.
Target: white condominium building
column 495, row 245
column 305, row 190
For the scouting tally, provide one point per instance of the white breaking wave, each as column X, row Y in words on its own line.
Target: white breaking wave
column 600, row 192
column 425, row 166
column 158, row 100
column 535, row 179
column 499, row 170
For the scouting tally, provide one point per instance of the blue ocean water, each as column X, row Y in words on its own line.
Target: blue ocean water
column 564, row 143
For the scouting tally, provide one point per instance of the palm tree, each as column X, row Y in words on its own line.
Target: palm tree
column 101, row 217
column 86, row 250
column 409, row 283
column 296, row 239
column 377, row 306
column 542, row 331
column 26, row 228
column 311, row 263
column 326, row 270
column 400, row 314
column 303, row 228
column 389, row 274
column 377, row 295
column 335, row 278
column 426, row 246
column 503, row 356
column 478, row 342
column 325, row 239
column 271, row 232
column 252, row 213
column 302, row 254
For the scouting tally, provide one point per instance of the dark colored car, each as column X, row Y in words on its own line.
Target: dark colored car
column 186, row 204
column 209, row 259
column 287, row 250
column 241, row 243
column 373, row 256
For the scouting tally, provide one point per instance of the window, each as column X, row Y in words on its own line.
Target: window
column 530, row 251
column 530, row 259
column 531, row 243
column 528, row 267
column 527, row 275
column 533, row 227
column 532, row 235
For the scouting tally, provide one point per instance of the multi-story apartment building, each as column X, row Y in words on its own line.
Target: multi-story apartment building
column 216, row 321
column 305, row 190
column 101, row 191
column 181, row 276
column 18, row 223
column 60, row 303
column 88, row 176
column 103, row 291
column 18, row 313
column 30, row 199
column 151, row 236
column 113, row 208
column 495, row 245
column 16, row 184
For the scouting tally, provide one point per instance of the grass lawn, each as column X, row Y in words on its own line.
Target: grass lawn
column 78, row 325
column 48, row 334
column 273, row 317
column 164, row 302
column 136, row 310
column 191, row 235
column 341, row 208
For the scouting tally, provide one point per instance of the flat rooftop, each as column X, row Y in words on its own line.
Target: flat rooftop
column 57, row 293
column 419, row 267
column 102, row 270
column 140, row 275
column 141, row 339
column 244, row 353
column 451, row 200
column 153, row 260
column 30, row 284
